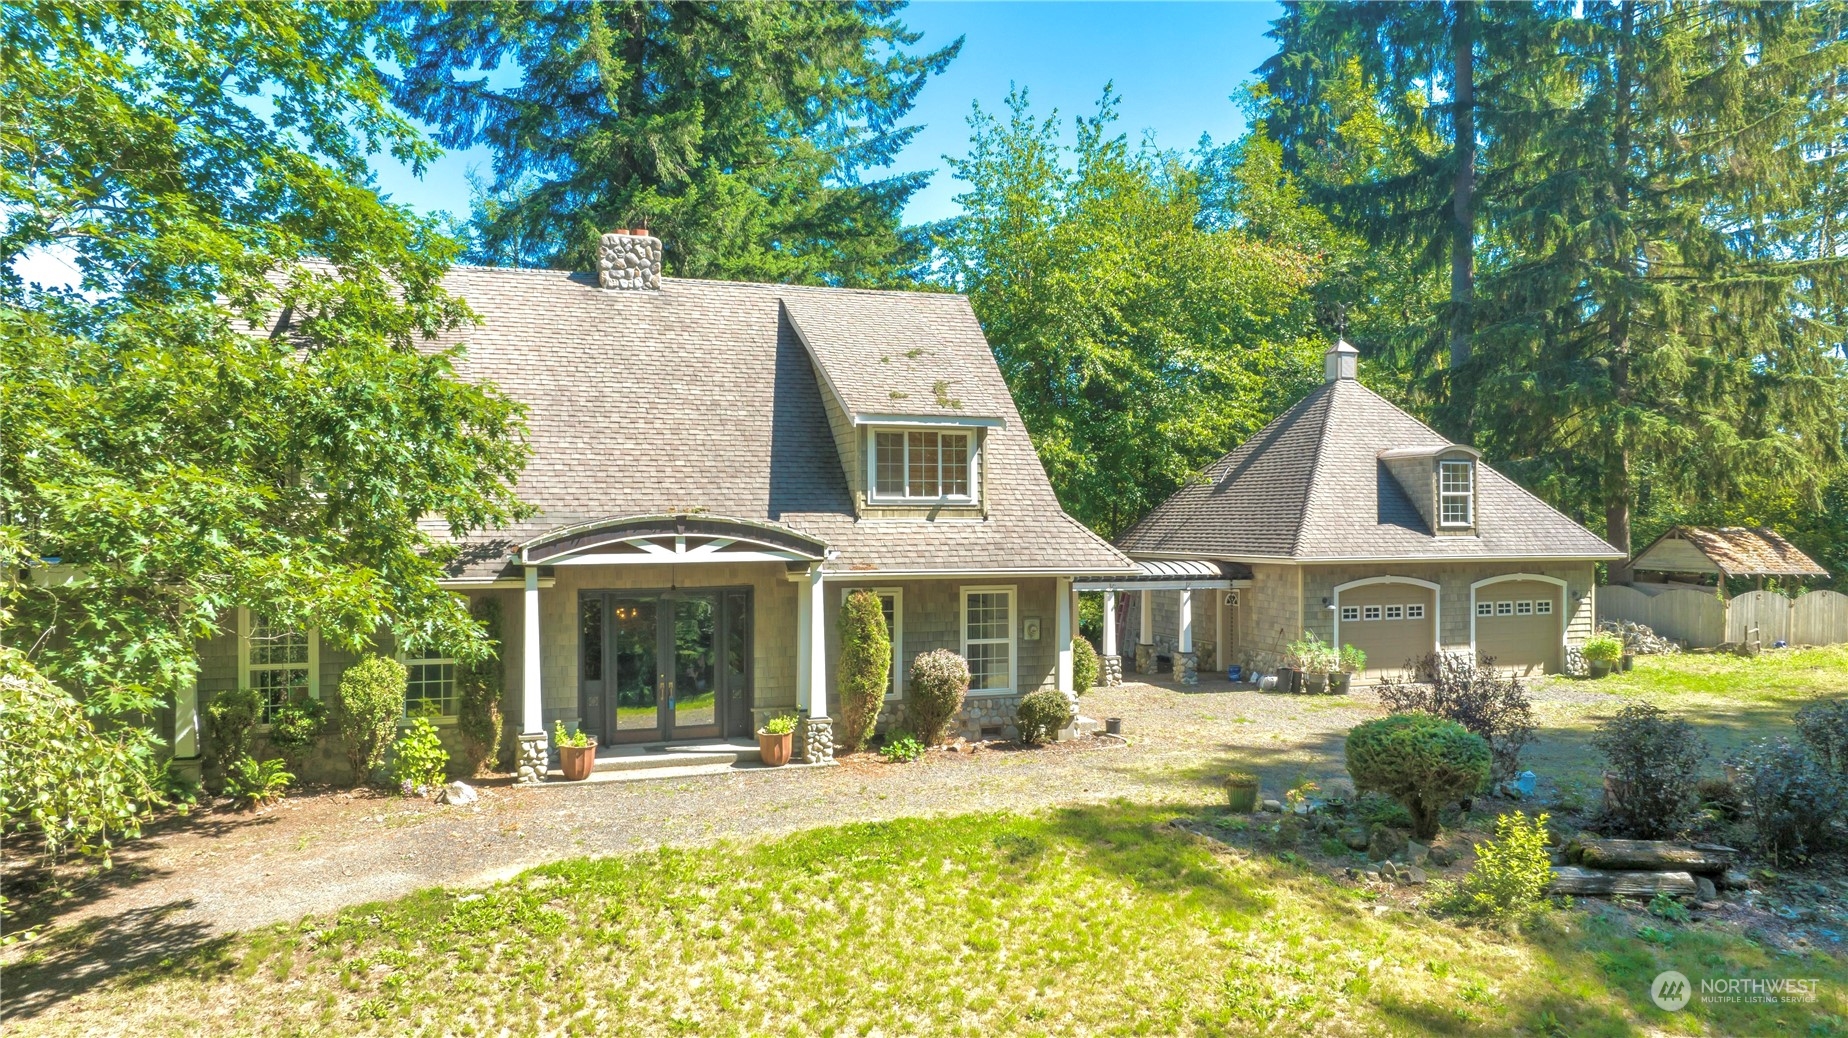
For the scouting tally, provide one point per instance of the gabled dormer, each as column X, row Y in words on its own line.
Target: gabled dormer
column 1441, row 481
column 904, row 405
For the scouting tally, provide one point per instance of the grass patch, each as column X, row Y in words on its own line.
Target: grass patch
column 1100, row 920
column 1774, row 676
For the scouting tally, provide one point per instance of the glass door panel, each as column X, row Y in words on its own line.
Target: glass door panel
column 634, row 646
column 695, row 661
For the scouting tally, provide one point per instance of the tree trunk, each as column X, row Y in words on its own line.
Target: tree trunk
column 1463, row 208
column 1652, row 855
column 1618, row 489
column 1571, row 879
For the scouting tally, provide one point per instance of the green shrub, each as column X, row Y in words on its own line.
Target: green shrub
column 1351, row 659
column 1475, row 696
column 1795, row 800
column 865, row 668
column 371, row 702
column 257, row 783
column 479, row 687
column 1041, row 714
column 295, row 728
column 1652, row 764
column 901, row 747
column 1602, row 648
column 1085, row 666
column 1511, row 872
column 65, row 788
column 419, row 763
column 1424, row 762
column 231, row 720
column 781, row 724
column 577, row 740
column 1824, row 726
column 934, row 693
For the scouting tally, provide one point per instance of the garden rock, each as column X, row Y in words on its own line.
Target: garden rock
column 1704, row 888
column 461, row 794
column 1271, row 806
column 1735, row 879
column 1356, row 839
column 1415, row 853
column 1442, row 856
column 1384, row 842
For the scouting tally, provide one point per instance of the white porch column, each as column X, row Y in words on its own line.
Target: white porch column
column 1222, row 632
column 532, row 761
column 1063, row 627
column 1186, row 661
column 815, row 740
column 1110, row 645
column 1186, row 636
column 1145, row 642
column 186, row 727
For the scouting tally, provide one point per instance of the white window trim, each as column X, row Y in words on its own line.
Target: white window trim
column 405, row 719
column 872, row 466
column 1414, row 611
column 1395, row 612
column 1437, row 603
column 1013, row 631
column 1468, row 496
column 243, row 659
column 895, row 691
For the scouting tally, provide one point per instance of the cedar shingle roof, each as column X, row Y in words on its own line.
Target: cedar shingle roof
column 1311, row 486
column 701, row 397
column 1742, row 551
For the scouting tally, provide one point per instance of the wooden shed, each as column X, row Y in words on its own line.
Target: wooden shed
column 1692, row 554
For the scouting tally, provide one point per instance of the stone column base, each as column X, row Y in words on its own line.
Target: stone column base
column 815, row 740
column 1110, row 671
column 530, row 762
column 1145, row 658
column 1187, row 668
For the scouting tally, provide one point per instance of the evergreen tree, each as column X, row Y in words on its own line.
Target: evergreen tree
column 739, row 133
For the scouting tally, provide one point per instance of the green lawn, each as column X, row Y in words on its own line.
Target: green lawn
column 1099, row 920
column 1774, row 677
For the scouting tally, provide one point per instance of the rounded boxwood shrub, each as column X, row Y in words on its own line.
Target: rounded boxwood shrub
column 1424, row 762
column 1084, row 665
column 934, row 693
column 1041, row 714
column 231, row 721
column 371, row 701
column 865, row 668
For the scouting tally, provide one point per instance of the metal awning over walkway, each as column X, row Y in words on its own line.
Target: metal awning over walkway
column 1170, row 575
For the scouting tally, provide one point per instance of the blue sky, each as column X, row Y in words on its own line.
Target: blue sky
column 1175, row 65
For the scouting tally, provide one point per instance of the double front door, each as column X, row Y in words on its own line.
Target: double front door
column 660, row 665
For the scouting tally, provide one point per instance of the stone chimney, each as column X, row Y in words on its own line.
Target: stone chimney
column 1340, row 361
column 629, row 259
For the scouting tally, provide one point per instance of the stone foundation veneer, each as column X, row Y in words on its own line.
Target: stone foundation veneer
column 979, row 712
column 1110, row 671
column 1187, row 668
column 530, row 765
column 814, row 741
column 1145, row 658
column 629, row 261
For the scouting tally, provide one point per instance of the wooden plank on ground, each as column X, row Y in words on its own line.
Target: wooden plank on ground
column 1652, row 855
column 1573, row 879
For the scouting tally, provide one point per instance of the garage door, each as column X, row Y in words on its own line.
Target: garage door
column 1518, row 626
column 1392, row 623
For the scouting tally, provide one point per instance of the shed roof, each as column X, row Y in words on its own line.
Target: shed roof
column 1732, row 551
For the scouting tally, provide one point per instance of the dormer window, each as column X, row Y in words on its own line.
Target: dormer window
column 1456, row 493
column 924, row 466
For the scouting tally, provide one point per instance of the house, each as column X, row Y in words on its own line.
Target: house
column 1349, row 519
column 715, row 466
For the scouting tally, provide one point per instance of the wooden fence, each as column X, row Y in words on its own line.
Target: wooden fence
column 1699, row 619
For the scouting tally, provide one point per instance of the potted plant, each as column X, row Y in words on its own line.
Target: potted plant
column 1242, row 792
column 577, row 752
column 1600, row 652
column 1349, row 661
column 774, row 739
column 1312, row 661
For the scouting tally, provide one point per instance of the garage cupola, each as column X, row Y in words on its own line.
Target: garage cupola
column 1342, row 361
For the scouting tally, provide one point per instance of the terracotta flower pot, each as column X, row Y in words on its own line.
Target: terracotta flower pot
column 577, row 761
column 775, row 748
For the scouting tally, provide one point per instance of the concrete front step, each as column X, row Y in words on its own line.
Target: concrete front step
column 670, row 760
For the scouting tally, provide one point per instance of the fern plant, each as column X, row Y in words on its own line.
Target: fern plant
column 257, row 783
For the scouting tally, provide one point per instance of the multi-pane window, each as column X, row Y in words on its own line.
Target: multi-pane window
column 1372, row 612
column 988, row 638
column 1524, row 607
column 922, row 465
column 1415, row 611
column 1395, row 612
column 1504, row 609
column 1544, row 606
column 277, row 664
column 1456, row 493
column 1350, row 613
column 430, row 688
column 1485, row 609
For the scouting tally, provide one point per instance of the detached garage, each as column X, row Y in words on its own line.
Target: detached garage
column 1391, row 619
column 1518, row 622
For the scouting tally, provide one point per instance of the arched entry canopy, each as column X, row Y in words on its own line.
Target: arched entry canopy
column 672, row 538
